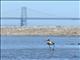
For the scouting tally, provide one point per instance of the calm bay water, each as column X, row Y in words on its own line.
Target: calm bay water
column 35, row 48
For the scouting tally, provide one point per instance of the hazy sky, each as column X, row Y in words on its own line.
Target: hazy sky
column 41, row 9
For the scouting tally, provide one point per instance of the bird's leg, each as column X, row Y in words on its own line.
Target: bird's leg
column 49, row 47
column 53, row 47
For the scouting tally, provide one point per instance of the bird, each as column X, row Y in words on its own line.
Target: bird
column 49, row 43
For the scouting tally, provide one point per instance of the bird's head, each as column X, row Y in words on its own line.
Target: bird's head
column 48, row 40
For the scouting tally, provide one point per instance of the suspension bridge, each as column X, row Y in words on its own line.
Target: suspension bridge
column 24, row 17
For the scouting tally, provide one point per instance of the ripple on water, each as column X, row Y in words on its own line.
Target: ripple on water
column 40, row 54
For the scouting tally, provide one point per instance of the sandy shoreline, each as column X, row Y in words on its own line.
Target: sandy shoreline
column 40, row 31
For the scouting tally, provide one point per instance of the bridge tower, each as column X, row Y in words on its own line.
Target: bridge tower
column 23, row 16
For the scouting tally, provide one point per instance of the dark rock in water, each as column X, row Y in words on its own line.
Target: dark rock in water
column 75, row 56
column 78, row 43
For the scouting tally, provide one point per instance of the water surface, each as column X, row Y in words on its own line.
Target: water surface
column 35, row 48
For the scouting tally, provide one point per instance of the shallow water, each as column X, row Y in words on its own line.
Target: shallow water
column 35, row 48
column 41, row 54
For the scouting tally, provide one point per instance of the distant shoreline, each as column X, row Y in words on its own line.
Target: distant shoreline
column 62, row 31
